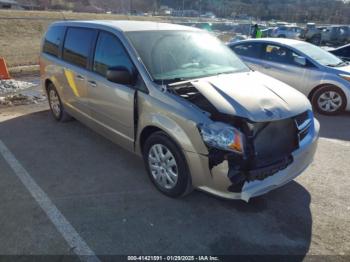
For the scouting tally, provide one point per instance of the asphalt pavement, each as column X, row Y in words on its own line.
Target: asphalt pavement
column 102, row 194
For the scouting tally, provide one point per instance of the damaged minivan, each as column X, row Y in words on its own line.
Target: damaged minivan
column 178, row 97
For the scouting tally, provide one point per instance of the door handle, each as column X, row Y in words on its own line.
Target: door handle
column 79, row 77
column 92, row 83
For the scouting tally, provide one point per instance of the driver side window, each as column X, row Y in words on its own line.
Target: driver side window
column 110, row 53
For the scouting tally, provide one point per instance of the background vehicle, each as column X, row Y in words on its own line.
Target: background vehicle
column 183, row 101
column 321, row 76
column 342, row 52
column 333, row 35
column 287, row 31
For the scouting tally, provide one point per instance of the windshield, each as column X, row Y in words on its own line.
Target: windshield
column 319, row 55
column 180, row 55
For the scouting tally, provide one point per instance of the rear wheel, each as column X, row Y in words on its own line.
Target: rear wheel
column 316, row 40
column 166, row 165
column 56, row 106
column 329, row 100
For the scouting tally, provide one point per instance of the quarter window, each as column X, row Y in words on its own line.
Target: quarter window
column 53, row 39
column 110, row 53
column 77, row 46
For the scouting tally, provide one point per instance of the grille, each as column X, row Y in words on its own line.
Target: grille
column 275, row 141
column 303, row 123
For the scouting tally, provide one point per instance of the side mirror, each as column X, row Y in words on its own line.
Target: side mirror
column 120, row 75
column 300, row 60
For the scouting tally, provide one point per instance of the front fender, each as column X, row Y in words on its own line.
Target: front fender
column 184, row 132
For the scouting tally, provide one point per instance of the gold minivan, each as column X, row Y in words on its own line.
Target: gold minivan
column 178, row 97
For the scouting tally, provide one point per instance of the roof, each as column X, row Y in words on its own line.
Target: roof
column 283, row 41
column 128, row 26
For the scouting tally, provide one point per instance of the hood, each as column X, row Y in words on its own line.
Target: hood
column 342, row 70
column 252, row 95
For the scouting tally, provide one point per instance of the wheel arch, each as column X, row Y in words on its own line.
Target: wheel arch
column 316, row 88
column 46, row 84
column 183, row 133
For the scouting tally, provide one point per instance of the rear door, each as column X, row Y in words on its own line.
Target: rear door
column 78, row 45
column 250, row 53
column 111, row 104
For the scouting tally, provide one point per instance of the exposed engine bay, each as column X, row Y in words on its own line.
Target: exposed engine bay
column 268, row 147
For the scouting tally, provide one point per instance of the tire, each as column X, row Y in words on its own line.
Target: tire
column 282, row 36
column 316, row 40
column 159, row 145
column 329, row 100
column 57, row 109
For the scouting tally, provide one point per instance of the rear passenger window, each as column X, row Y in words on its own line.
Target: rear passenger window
column 77, row 46
column 248, row 49
column 53, row 39
column 110, row 53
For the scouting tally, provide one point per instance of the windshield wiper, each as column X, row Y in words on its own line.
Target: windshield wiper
column 170, row 80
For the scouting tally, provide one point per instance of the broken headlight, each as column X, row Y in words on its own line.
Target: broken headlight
column 221, row 136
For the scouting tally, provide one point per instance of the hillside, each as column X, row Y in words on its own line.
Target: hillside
column 325, row 11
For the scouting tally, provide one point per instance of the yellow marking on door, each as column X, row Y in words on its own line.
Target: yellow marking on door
column 70, row 78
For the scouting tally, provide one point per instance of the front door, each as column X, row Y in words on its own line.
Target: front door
column 279, row 62
column 111, row 104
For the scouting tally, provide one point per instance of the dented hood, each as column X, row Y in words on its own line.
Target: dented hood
column 252, row 95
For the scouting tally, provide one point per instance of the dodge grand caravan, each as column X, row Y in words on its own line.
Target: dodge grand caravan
column 178, row 97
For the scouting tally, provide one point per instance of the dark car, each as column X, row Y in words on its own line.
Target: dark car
column 343, row 52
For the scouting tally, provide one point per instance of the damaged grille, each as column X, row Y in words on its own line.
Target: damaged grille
column 304, row 124
column 273, row 142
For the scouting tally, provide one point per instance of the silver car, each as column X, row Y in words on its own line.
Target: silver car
column 183, row 101
column 321, row 76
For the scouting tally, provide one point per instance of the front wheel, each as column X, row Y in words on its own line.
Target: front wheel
column 329, row 100
column 166, row 165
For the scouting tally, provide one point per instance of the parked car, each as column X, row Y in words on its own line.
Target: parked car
column 342, row 52
column 198, row 116
column 267, row 32
column 287, row 31
column 333, row 35
column 321, row 76
column 237, row 38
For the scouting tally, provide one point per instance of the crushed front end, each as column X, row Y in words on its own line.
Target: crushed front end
column 267, row 155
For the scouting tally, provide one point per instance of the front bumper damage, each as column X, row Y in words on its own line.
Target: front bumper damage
column 217, row 181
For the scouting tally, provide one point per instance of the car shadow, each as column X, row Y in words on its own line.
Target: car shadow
column 335, row 127
column 105, row 193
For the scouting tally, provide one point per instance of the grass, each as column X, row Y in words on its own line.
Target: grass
column 21, row 31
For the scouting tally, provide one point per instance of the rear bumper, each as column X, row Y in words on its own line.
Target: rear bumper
column 217, row 182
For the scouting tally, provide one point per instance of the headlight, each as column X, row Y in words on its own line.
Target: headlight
column 346, row 77
column 222, row 136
